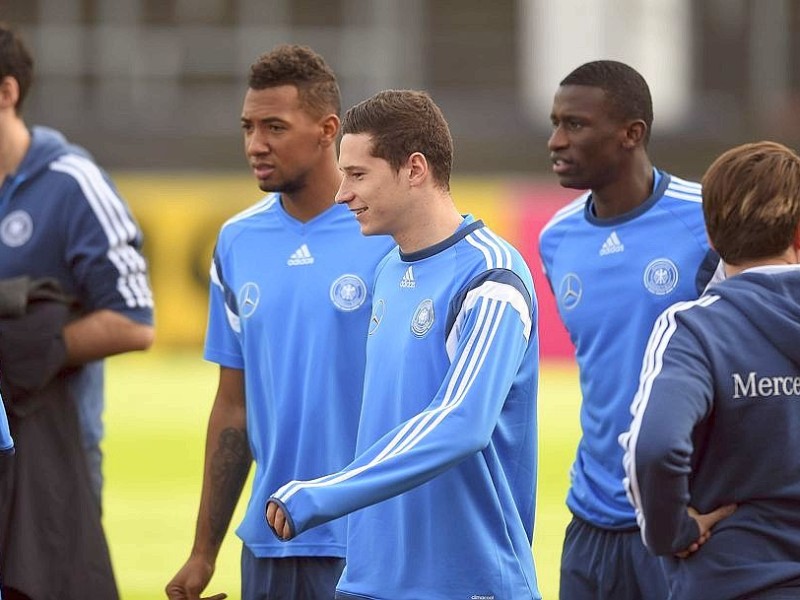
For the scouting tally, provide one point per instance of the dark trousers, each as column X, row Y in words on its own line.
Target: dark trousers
column 291, row 578
column 604, row 564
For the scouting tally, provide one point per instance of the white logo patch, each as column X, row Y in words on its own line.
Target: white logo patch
column 16, row 228
column 612, row 245
column 248, row 298
column 348, row 292
column 423, row 318
column 301, row 256
column 661, row 276
column 378, row 310
column 408, row 279
column 570, row 291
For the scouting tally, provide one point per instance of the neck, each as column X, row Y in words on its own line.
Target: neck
column 15, row 139
column 316, row 196
column 791, row 256
column 626, row 192
column 435, row 219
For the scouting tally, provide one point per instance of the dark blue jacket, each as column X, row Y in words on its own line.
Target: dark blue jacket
column 717, row 421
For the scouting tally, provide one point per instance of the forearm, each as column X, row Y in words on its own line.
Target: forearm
column 104, row 333
column 227, row 463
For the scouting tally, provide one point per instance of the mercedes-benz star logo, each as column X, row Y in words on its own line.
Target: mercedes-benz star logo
column 570, row 291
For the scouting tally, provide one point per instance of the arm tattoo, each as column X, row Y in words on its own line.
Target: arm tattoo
column 230, row 464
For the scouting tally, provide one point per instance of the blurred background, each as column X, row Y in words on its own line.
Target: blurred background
column 153, row 88
column 157, row 84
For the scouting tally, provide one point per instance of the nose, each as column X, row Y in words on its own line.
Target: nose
column 344, row 195
column 256, row 144
column 557, row 139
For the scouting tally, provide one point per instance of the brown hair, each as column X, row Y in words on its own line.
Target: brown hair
column 400, row 123
column 15, row 61
column 751, row 201
column 300, row 66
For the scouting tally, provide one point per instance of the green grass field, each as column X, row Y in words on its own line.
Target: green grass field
column 157, row 408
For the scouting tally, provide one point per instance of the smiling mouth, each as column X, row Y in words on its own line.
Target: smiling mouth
column 359, row 211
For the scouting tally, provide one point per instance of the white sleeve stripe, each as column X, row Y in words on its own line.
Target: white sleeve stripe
column 214, row 275
column 102, row 198
column 502, row 292
column 693, row 185
column 475, row 364
column 682, row 196
column 491, row 290
column 653, row 362
column 480, row 342
column 486, row 254
column 481, row 237
column 502, row 247
column 117, row 226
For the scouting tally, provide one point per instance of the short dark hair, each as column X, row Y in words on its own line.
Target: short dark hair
column 15, row 61
column 626, row 89
column 400, row 123
column 300, row 66
column 751, row 201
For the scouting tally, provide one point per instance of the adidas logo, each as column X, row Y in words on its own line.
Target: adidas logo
column 301, row 256
column 408, row 279
column 612, row 245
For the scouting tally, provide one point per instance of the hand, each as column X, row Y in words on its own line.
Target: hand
column 278, row 521
column 191, row 580
column 706, row 522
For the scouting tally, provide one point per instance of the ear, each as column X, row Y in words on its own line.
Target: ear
column 418, row 168
column 9, row 92
column 329, row 129
column 635, row 134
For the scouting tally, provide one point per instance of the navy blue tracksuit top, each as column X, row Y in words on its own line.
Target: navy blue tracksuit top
column 717, row 421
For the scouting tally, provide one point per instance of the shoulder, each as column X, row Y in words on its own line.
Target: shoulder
column 82, row 174
column 565, row 217
column 683, row 193
column 691, row 314
column 490, row 251
column 243, row 220
column 492, row 263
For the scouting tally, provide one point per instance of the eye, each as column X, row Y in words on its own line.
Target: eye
column 276, row 127
column 247, row 127
column 574, row 125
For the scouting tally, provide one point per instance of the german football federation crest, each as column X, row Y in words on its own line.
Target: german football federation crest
column 16, row 228
column 661, row 276
column 348, row 292
column 422, row 321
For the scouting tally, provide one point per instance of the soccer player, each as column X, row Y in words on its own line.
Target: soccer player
column 717, row 411
column 61, row 219
column 291, row 284
column 441, row 494
column 615, row 257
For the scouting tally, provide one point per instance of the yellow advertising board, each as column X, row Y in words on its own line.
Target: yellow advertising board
column 181, row 214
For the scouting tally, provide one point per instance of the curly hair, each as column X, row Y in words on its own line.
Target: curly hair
column 300, row 66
